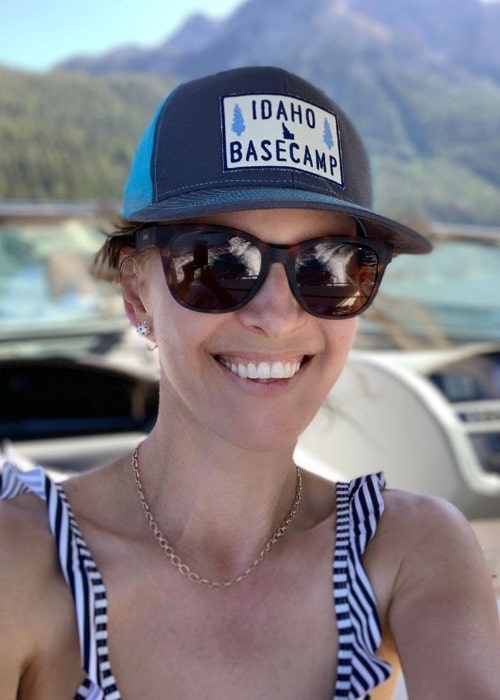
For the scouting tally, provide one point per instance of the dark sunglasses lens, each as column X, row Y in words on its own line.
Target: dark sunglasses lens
column 211, row 270
column 336, row 279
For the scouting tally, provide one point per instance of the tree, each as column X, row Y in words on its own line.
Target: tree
column 327, row 135
column 238, row 125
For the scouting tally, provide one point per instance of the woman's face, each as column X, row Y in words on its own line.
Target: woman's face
column 209, row 361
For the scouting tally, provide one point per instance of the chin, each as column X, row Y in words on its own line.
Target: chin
column 266, row 437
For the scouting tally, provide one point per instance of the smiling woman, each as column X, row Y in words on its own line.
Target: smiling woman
column 249, row 277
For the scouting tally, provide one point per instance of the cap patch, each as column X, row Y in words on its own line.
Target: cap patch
column 279, row 131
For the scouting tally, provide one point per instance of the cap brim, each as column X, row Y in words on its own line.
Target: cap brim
column 212, row 201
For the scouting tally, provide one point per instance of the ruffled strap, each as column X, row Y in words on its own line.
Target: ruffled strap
column 359, row 669
column 14, row 482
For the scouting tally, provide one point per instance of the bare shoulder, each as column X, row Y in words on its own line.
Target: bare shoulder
column 442, row 608
column 423, row 537
column 28, row 574
column 38, row 634
column 25, row 538
column 410, row 509
column 425, row 529
column 28, row 556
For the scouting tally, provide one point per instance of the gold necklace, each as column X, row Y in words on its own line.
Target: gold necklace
column 174, row 558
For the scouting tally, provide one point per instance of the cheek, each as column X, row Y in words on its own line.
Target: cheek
column 165, row 313
column 340, row 336
column 181, row 335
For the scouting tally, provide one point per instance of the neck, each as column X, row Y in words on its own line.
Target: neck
column 218, row 506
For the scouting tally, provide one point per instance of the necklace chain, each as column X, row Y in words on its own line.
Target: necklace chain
column 174, row 558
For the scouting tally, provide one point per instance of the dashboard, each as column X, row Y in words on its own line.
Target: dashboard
column 472, row 385
column 69, row 415
column 475, row 378
column 430, row 420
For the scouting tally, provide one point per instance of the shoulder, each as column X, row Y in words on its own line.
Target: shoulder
column 424, row 534
column 24, row 524
column 425, row 510
column 424, row 552
column 38, row 629
column 23, row 527
column 442, row 608
column 424, row 524
column 28, row 557
column 29, row 581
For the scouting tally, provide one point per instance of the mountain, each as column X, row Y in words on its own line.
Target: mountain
column 452, row 34
column 420, row 78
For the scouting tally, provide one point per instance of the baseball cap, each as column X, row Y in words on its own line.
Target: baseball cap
column 258, row 137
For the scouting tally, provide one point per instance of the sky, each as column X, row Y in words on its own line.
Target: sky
column 36, row 34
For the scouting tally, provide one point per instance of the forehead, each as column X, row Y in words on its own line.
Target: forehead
column 285, row 225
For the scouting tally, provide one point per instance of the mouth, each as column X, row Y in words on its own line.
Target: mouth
column 263, row 371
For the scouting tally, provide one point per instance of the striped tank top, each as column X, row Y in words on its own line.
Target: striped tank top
column 359, row 507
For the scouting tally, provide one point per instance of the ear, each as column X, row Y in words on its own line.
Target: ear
column 130, row 280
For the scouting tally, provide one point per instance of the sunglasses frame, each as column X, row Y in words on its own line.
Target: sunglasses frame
column 162, row 236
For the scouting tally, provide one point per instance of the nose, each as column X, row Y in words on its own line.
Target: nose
column 274, row 309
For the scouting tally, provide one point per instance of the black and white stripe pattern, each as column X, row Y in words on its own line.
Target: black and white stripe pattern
column 359, row 670
column 359, row 507
column 89, row 594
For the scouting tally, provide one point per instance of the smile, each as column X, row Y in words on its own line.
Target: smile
column 263, row 370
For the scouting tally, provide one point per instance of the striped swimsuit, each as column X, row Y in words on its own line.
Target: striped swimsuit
column 359, row 507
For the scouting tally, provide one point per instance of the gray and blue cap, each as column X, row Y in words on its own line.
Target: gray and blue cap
column 255, row 138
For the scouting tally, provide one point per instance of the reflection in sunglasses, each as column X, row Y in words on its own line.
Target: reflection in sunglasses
column 219, row 269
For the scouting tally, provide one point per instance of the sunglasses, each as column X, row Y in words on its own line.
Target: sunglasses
column 216, row 269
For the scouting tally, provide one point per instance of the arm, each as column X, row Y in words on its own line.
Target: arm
column 14, row 602
column 39, row 646
column 443, row 612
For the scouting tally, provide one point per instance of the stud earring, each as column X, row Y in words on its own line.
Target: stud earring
column 143, row 328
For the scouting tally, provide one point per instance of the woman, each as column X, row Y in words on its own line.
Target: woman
column 207, row 564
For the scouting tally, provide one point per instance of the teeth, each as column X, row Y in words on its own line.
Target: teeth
column 263, row 370
column 252, row 371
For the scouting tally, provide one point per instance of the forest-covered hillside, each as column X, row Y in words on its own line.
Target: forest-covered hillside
column 69, row 136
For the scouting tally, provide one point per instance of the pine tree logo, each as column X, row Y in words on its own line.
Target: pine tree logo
column 238, row 125
column 327, row 135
